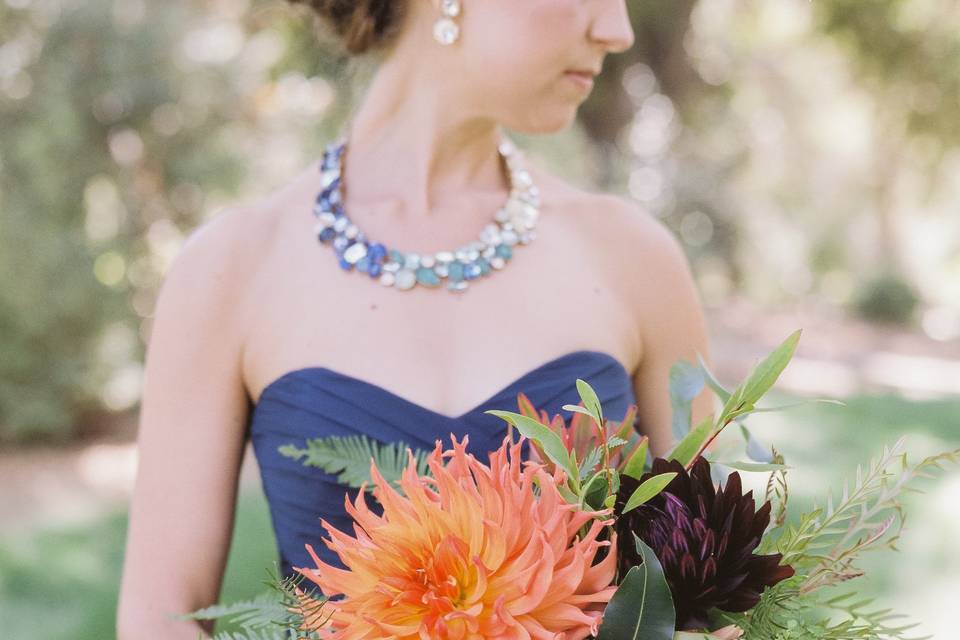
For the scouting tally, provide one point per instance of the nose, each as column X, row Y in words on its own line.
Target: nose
column 612, row 27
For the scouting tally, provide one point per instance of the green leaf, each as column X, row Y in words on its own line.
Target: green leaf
column 648, row 489
column 688, row 447
column 595, row 490
column 763, row 376
column 686, row 382
column 767, row 372
column 637, row 462
column 756, row 451
column 712, row 381
column 578, row 409
column 642, row 607
column 552, row 444
column 755, row 466
column 718, row 472
column 590, row 399
column 797, row 404
column 569, row 496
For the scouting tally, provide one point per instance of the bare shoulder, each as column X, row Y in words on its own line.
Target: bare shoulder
column 643, row 260
column 222, row 256
column 207, row 300
column 638, row 248
column 651, row 254
column 629, row 238
column 600, row 215
column 212, row 260
column 646, row 241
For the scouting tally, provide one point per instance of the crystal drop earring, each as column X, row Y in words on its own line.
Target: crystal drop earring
column 445, row 29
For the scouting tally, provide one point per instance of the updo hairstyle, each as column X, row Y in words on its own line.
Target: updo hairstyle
column 359, row 26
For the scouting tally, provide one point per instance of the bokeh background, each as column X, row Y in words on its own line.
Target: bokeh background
column 806, row 153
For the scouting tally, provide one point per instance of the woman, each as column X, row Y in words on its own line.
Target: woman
column 270, row 324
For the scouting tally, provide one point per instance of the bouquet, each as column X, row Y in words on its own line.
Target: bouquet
column 592, row 537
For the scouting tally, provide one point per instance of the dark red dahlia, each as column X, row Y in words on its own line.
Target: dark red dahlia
column 703, row 538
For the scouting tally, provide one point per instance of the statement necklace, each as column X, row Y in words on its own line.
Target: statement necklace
column 513, row 224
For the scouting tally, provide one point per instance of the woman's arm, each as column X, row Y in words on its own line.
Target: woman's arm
column 670, row 321
column 191, row 440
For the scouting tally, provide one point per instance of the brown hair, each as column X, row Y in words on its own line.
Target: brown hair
column 359, row 25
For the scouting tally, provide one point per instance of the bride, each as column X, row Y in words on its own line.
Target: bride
column 423, row 271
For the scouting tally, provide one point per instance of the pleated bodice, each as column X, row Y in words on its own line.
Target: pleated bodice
column 316, row 401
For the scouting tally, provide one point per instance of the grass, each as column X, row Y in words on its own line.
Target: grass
column 62, row 583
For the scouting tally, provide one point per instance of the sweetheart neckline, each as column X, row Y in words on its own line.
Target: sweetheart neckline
column 283, row 377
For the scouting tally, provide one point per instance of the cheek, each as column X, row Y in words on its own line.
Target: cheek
column 562, row 22
column 524, row 45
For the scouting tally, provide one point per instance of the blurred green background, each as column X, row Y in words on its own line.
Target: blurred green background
column 806, row 154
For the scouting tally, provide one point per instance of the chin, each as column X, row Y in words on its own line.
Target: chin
column 545, row 120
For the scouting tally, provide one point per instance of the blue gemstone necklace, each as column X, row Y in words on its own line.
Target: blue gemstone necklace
column 513, row 225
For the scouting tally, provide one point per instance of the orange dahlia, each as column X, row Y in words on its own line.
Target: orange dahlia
column 473, row 552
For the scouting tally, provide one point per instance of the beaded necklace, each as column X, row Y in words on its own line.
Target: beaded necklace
column 513, row 225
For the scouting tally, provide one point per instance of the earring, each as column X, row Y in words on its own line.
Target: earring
column 445, row 30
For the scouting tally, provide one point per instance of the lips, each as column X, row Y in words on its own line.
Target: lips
column 582, row 80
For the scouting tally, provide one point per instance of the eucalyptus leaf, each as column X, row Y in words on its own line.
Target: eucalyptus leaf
column 719, row 473
column 756, row 451
column 642, row 607
column 686, row 382
column 712, row 381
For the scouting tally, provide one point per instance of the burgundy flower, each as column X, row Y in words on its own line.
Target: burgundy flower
column 704, row 537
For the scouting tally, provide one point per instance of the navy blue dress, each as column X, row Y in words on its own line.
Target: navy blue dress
column 313, row 402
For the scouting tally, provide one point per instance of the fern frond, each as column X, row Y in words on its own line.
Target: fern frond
column 776, row 492
column 276, row 615
column 876, row 620
column 824, row 545
column 797, row 616
column 261, row 610
column 259, row 634
column 349, row 458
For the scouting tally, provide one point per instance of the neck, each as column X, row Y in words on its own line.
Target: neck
column 416, row 151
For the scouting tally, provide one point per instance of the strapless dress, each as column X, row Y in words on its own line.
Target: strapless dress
column 313, row 402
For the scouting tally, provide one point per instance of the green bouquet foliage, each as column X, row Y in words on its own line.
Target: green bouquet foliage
column 789, row 582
